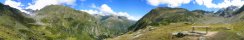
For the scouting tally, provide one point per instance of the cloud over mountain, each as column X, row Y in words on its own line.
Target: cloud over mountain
column 170, row 3
column 15, row 4
column 206, row 3
column 104, row 9
column 224, row 4
column 39, row 4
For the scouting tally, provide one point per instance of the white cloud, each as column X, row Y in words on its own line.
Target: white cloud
column 14, row 4
column 170, row 3
column 69, row 2
column 39, row 4
column 104, row 9
column 92, row 11
column 224, row 4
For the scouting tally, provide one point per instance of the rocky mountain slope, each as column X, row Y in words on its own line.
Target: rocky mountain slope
column 116, row 25
column 227, row 12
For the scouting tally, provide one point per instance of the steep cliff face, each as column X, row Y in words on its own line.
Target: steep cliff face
column 227, row 12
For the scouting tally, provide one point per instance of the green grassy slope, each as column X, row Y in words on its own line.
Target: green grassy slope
column 13, row 25
column 164, row 16
column 76, row 24
column 62, row 22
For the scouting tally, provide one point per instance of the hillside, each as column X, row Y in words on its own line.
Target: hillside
column 14, row 24
column 178, row 20
column 164, row 16
column 78, row 25
column 57, row 22
column 115, row 25
column 60, row 22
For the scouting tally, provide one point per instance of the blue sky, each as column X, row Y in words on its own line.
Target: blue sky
column 133, row 9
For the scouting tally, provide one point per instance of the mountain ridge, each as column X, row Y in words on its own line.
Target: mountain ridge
column 155, row 15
